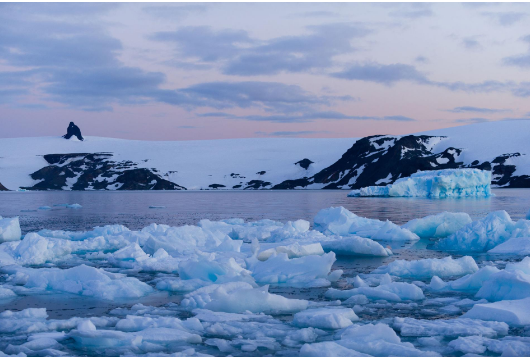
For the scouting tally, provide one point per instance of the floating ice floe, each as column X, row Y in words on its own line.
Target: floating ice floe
column 74, row 205
column 449, row 328
column 396, row 292
column 79, row 280
column 340, row 221
column 367, row 340
column 481, row 235
column 470, row 283
column 9, row 229
column 427, row 268
column 354, row 245
column 307, row 271
column 294, row 250
column 513, row 312
column 325, row 318
column 515, row 246
column 238, row 297
column 439, row 225
column 35, row 249
column 505, row 285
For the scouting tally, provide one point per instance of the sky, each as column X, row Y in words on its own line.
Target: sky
column 195, row 71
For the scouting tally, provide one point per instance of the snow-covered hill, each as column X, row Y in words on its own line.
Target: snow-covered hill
column 278, row 163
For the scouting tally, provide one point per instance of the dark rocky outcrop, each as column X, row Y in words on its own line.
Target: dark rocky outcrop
column 304, row 163
column 3, row 188
column 379, row 160
column 257, row 184
column 73, row 130
column 216, row 185
column 96, row 172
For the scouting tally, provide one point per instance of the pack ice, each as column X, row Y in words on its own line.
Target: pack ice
column 239, row 288
column 434, row 184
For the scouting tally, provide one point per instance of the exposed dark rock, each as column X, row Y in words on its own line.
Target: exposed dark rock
column 379, row 160
column 73, row 130
column 3, row 188
column 216, row 185
column 257, row 184
column 96, row 172
column 261, row 173
column 237, row 186
column 292, row 184
column 304, row 163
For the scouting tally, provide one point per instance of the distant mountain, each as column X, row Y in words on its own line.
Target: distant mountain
column 53, row 163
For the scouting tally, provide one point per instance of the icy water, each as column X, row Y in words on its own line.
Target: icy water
column 178, row 208
column 139, row 209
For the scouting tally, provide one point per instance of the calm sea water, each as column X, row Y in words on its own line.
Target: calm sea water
column 132, row 209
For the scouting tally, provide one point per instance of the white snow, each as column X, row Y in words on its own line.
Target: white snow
column 436, row 183
column 218, row 158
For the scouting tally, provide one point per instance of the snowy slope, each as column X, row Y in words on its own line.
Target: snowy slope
column 55, row 163
column 192, row 164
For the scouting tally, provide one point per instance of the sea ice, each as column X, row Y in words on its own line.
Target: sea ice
column 294, row 250
column 470, row 283
column 505, row 285
column 427, row 268
column 80, row 280
column 436, row 183
column 449, row 328
column 354, row 245
column 439, row 225
column 9, row 229
column 480, row 235
column 515, row 246
column 513, row 312
column 238, row 297
column 396, row 292
column 340, row 221
column 310, row 271
column 325, row 318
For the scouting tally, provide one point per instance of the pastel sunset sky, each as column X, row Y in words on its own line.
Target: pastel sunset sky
column 190, row 71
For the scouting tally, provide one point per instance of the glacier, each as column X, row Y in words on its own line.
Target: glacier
column 434, row 184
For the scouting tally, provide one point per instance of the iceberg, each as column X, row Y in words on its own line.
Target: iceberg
column 357, row 246
column 439, row 225
column 365, row 340
column 427, row 268
column 505, row 285
column 449, row 328
column 9, row 229
column 513, row 246
column 80, row 280
column 481, row 235
column 238, row 297
column 395, row 292
column 436, row 183
column 470, row 283
column 294, row 250
column 340, row 221
column 325, row 318
column 310, row 271
column 513, row 312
